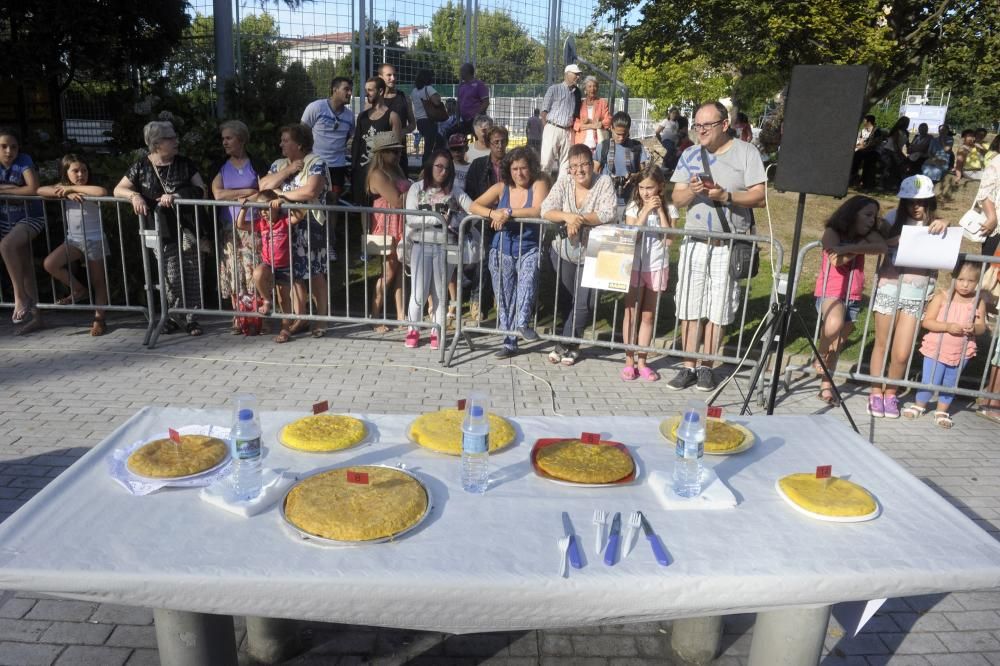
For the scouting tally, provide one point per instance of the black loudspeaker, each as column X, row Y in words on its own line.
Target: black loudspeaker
column 822, row 115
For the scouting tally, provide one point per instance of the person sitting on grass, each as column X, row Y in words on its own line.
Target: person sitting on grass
column 84, row 237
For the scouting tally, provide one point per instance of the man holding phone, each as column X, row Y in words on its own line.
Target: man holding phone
column 732, row 183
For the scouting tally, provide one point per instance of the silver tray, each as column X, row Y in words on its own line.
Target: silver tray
column 323, row 541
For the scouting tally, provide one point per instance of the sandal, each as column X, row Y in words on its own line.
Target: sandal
column 20, row 313
column 989, row 414
column 381, row 328
column 317, row 331
column 98, row 327
column 74, row 299
column 193, row 328
column 913, row 411
column 943, row 420
column 628, row 373
column 828, row 395
column 300, row 326
column 283, row 336
column 647, row 374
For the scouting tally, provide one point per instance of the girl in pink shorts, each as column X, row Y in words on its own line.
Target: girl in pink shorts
column 650, row 270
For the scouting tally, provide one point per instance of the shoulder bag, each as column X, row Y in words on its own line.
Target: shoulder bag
column 435, row 111
column 744, row 256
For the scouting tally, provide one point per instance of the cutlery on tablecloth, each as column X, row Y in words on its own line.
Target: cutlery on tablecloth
column 631, row 533
column 612, row 550
column 574, row 549
column 563, row 547
column 658, row 550
column 600, row 523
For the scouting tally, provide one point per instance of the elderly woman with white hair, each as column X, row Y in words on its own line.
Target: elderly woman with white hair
column 594, row 116
column 236, row 180
column 151, row 185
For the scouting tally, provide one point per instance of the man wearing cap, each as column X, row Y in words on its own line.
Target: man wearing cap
column 458, row 146
column 559, row 107
column 332, row 123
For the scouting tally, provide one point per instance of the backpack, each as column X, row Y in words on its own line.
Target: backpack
column 608, row 146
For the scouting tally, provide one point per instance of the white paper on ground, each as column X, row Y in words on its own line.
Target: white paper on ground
column 144, row 486
column 714, row 493
column 274, row 483
column 918, row 248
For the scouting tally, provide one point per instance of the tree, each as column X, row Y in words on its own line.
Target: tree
column 688, row 79
column 758, row 36
column 55, row 43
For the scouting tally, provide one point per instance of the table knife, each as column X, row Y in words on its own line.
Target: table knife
column 574, row 549
column 616, row 531
column 658, row 550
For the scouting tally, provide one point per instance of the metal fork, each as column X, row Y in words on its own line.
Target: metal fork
column 601, row 523
column 631, row 536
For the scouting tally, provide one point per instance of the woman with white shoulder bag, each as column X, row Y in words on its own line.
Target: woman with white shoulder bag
column 427, row 240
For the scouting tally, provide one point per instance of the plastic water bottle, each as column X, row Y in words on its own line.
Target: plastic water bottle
column 689, row 451
column 245, row 437
column 475, row 445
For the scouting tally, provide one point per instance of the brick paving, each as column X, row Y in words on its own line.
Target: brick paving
column 64, row 391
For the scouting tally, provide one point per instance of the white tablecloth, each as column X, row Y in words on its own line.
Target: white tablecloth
column 490, row 562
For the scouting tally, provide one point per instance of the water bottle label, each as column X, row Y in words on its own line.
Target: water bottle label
column 474, row 443
column 681, row 449
column 247, row 449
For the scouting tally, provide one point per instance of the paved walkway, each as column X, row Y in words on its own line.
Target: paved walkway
column 64, row 391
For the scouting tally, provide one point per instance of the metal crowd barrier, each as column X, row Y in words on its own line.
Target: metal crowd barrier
column 734, row 352
column 121, row 242
column 855, row 373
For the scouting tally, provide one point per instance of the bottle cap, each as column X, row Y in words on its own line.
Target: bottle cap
column 691, row 416
column 246, row 415
column 476, row 411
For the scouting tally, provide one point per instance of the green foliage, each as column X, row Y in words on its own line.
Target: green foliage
column 684, row 79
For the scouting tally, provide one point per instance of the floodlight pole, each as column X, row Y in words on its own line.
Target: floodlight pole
column 225, row 69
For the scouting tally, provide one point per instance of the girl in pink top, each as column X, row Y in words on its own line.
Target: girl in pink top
column 851, row 233
column 951, row 340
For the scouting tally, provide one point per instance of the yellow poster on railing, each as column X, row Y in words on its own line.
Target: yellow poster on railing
column 608, row 262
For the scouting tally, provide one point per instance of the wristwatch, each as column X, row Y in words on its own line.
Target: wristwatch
column 729, row 198
column 510, row 212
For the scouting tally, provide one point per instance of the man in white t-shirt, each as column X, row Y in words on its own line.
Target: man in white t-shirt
column 707, row 295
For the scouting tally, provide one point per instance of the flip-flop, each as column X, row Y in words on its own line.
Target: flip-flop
column 647, row 374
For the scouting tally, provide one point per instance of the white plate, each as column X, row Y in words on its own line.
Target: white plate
column 831, row 519
column 167, row 479
column 367, row 439
column 323, row 541
column 749, row 438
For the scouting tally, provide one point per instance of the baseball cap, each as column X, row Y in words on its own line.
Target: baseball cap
column 457, row 141
column 573, row 68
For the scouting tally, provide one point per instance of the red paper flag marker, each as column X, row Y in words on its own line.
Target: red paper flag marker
column 590, row 438
column 174, row 435
column 357, row 477
column 824, row 471
column 461, row 405
column 321, row 407
column 714, row 412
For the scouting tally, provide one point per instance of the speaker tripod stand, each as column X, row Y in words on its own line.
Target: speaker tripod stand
column 775, row 326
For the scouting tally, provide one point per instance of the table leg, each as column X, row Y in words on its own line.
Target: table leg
column 791, row 637
column 696, row 639
column 271, row 640
column 194, row 639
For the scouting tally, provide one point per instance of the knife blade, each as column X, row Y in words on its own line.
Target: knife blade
column 658, row 550
column 610, row 553
column 574, row 550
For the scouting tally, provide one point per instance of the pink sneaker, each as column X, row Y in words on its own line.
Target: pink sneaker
column 412, row 339
column 434, row 339
column 891, row 407
column 875, row 406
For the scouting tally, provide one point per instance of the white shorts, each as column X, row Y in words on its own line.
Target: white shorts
column 92, row 249
column 556, row 143
column 705, row 288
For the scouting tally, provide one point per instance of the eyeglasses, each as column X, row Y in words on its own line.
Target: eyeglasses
column 582, row 166
column 697, row 127
column 498, row 142
column 440, row 166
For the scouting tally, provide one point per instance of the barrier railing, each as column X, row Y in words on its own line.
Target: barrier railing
column 117, row 238
column 854, row 372
column 608, row 337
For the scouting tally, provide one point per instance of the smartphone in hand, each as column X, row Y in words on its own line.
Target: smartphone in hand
column 707, row 181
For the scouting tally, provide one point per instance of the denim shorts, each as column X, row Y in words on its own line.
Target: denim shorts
column 853, row 307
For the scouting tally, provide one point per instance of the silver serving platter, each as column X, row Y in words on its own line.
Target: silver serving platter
column 299, row 533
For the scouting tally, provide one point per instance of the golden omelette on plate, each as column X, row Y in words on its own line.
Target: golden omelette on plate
column 329, row 506
column 323, row 432
column 834, row 497
column 442, row 431
column 720, row 437
column 166, row 459
column 579, row 462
